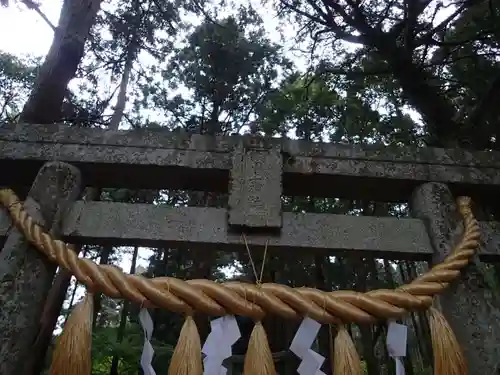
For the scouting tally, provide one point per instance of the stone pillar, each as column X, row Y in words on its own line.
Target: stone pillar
column 469, row 304
column 25, row 274
column 255, row 186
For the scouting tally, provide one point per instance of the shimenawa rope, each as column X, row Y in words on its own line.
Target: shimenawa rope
column 247, row 299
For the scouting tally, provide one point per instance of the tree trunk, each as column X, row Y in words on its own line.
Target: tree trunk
column 163, row 257
column 437, row 112
column 44, row 106
column 133, row 46
column 123, row 318
column 320, row 283
column 366, row 331
column 421, row 325
column 60, row 65
column 121, row 101
column 105, row 254
column 71, row 302
column 115, row 122
column 57, row 294
column 202, row 262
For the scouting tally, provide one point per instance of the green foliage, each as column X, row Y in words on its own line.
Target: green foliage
column 16, row 78
column 20, row 70
column 227, row 67
column 441, row 61
column 304, row 104
column 105, row 346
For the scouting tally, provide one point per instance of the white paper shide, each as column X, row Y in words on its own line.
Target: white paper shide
column 396, row 344
column 224, row 333
column 147, row 350
column 301, row 347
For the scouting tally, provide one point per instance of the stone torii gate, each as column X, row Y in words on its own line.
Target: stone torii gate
column 256, row 173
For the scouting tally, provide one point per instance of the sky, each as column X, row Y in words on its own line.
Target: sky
column 25, row 32
column 36, row 38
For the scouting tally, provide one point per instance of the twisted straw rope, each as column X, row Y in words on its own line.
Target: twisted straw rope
column 251, row 300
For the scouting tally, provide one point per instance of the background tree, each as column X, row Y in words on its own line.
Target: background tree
column 404, row 40
column 16, row 78
column 223, row 70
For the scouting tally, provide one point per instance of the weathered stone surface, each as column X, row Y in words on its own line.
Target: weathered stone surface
column 490, row 241
column 25, row 274
column 469, row 304
column 142, row 138
column 161, row 138
column 255, row 187
column 113, row 166
column 149, row 225
column 160, row 159
column 206, row 228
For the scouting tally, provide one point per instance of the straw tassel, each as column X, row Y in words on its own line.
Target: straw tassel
column 259, row 358
column 72, row 354
column 186, row 359
column 448, row 356
column 345, row 356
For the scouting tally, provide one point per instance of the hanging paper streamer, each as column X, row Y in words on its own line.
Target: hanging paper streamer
column 301, row 347
column 224, row 333
column 396, row 344
column 311, row 364
column 147, row 350
column 215, row 352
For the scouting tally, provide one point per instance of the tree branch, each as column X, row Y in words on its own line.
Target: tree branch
column 355, row 73
column 443, row 24
column 33, row 6
column 481, row 36
column 413, row 10
column 416, row 82
column 328, row 23
column 486, row 105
